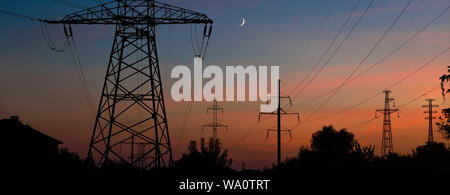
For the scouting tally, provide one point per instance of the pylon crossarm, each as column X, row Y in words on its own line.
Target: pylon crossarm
column 221, row 125
column 214, row 125
column 387, row 111
column 145, row 12
column 262, row 113
column 214, row 108
column 209, row 125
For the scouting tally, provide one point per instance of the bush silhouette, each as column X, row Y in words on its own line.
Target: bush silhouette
column 206, row 158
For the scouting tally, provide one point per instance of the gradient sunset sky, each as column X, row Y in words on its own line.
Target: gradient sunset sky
column 41, row 86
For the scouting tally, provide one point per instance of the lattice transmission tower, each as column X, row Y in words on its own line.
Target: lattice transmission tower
column 430, row 117
column 117, row 122
column 387, row 146
column 214, row 125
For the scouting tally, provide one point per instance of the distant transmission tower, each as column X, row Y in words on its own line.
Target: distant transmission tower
column 430, row 118
column 117, row 120
column 214, row 125
column 386, row 140
column 280, row 111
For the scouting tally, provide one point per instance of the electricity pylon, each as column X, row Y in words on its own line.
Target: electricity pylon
column 214, row 125
column 122, row 97
column 430, row 118
column 386, row 140
column 280, row 111
column 214, row 142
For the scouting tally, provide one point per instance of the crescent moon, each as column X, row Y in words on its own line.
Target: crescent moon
column 243, row 22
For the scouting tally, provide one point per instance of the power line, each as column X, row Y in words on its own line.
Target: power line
column 419, row 68
column 20, row 15
column 48, row 39
column 69, row 3
column 184, row 123
column 196, row 37
column 246, row 134
column 68, row 43
column 81, row 76
column 366, row 122
column 343, row 41
column 411, row 126
column 360, row 124
column 382, row 59
column 418, row 97
column 404, row 43
column 363, row 60
column 302, row 53
column 342, row 111
column 192, row 40
column 375, row 95
column 46, row 36
column 249, row 132
column 363, row 123
column 200, row 50
column 82, row 73
column 325, row 52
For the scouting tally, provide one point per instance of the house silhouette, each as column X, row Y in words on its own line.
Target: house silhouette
column 22, row 142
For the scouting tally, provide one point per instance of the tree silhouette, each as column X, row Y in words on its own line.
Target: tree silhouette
column 334, row 157
column 338, row 147
column 432, row 151
column 331, row 150
column 331, row 141
column 444, row 120
column 206, row 158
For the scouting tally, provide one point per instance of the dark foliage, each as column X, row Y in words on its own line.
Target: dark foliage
column 333, row 161
column 444, row 120
column 208, row 158
column 336, row 159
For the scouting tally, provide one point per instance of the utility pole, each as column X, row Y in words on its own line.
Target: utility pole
column 430, row 118
column 116, row 123
column 214, row 125
column 280, row 111
column 386, row 142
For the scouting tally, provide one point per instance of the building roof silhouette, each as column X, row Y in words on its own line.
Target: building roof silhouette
column 16, row 127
